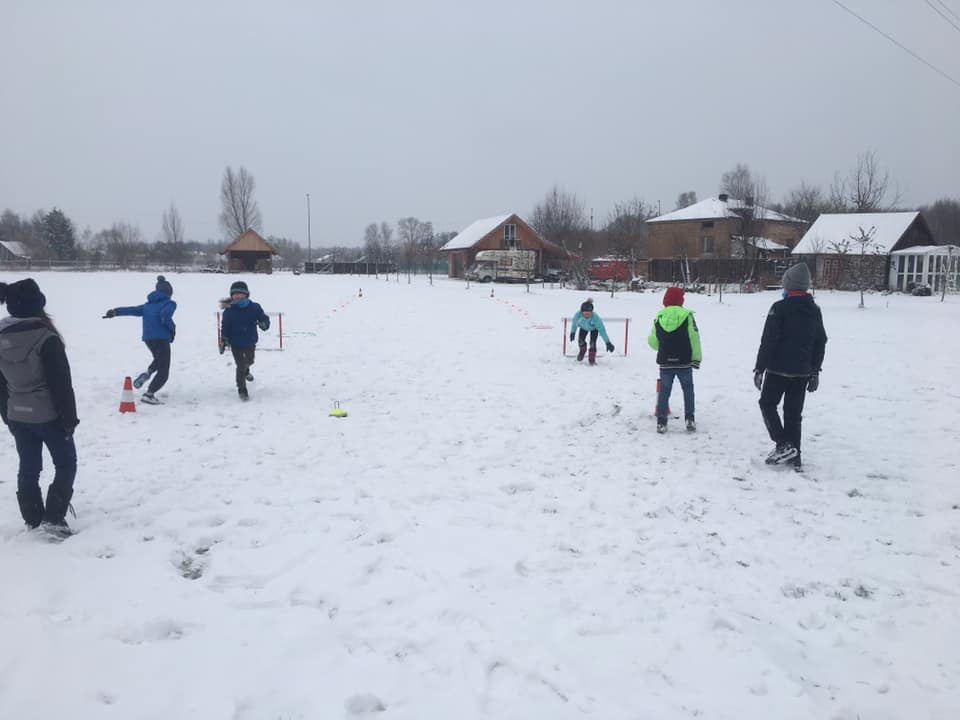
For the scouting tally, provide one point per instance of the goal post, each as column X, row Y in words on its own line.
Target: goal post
column 613, row 326
column 272, row 339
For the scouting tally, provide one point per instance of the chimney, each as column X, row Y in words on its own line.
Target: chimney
column 723, row 197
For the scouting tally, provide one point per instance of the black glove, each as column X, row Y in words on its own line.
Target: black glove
column 758, row 379
column 695, row 364
column 813, row 383
column 264, row 324
column 573, row 335
column 68, row 427
column 173, row 335
column 110, row 314
column 223, row 345
column 609, row 346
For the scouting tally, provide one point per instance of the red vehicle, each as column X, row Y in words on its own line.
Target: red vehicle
column 610, row 268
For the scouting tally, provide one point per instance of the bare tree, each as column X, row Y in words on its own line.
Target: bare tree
column 627, row 228
column 866, row 188
column 172, row 236
column 240, row 210
column 943, row 217
column 559, row 217
column 416, row 240
column 122, row 243
column 372, row 247
column 867, row 251
column 805, row 202
column 737, row 183
column 686, row 199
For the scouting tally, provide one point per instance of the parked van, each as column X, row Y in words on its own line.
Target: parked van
column 503, row 266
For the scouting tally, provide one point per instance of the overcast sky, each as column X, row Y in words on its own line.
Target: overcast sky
column 454, row 111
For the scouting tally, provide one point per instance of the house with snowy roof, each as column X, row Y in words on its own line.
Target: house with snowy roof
column 715, row 227
column 501, row 232
column 889, row 249
column 720, row 239
column 13, row 251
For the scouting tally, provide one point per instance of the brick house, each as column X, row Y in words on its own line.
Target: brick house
column 831, row 249
column 709, row 235
column 503, row 232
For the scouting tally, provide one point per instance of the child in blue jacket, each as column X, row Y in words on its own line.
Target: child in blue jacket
column 159, row 331
column 238, row 331
column 587, row 322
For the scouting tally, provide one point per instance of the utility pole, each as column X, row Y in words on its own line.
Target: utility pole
column 309, row 249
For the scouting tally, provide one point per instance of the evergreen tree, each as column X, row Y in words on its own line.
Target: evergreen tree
column 59, row 235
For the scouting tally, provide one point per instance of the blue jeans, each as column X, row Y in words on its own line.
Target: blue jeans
column 30, row 439
column 685, row 376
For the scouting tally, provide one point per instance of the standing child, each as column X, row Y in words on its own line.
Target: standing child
column 788, row 363
column 588, row 322
column 159, row 331
column 238, row 331
column 37, row 404
column 676, row 339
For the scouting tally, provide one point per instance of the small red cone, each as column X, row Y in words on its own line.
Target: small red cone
column 126, row 397
column 491, row 292
column 361, row 293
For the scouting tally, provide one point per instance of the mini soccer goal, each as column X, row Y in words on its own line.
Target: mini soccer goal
column 271, row 339
column 617, row 328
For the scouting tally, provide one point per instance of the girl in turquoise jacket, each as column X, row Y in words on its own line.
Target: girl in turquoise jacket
column 587, row 322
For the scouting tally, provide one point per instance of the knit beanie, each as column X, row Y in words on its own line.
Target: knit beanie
column 164, row 286
column 23, row 298
column 673, row 296
column 587, row 306
column 797, row 278
column 240, row 287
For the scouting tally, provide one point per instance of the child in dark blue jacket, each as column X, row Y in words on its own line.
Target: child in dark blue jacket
column 159, row 331
column 238, row 331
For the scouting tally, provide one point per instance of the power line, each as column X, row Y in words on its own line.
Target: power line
column 940, row 13
column 948, row 9
column 898, row 44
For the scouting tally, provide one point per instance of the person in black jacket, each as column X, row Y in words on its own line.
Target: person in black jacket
column 789, row 362
column 238, row 331
column 37, row 404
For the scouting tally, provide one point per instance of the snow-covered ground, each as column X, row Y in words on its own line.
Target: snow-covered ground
column 495, row 530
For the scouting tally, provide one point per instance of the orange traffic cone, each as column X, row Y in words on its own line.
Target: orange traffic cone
column 126, row 397
column 657, row 401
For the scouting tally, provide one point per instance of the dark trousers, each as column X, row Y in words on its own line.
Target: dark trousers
column 30, row 439
column 243, row 357
column 793, row 390
column 160, row 349
column 593, row 338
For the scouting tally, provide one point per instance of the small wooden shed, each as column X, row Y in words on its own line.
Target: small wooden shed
column 250, row 253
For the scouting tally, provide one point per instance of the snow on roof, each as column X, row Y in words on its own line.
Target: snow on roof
column 767, row 244
column 474, row 232
column 831, row 229
column 929, row 250
column 17, row 248
column 715, row 208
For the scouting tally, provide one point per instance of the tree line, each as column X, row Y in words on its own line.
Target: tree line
column 560, row 217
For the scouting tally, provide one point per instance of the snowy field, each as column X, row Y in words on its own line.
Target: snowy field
column 495, row 530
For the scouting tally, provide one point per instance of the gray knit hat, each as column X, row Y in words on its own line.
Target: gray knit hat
column 797, row 278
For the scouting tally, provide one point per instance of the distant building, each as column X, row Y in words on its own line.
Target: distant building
column 249, row 253
column 503, row 232
column 705, row 241
column 12, row 251
column 831, row 249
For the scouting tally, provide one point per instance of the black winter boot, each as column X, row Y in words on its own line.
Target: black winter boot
column 31, row 506
column 583, row 351
column 55, row 514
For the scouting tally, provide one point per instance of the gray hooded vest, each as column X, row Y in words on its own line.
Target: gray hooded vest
column 30, row 400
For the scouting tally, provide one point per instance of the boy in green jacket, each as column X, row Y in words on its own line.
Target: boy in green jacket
column 676, row 339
